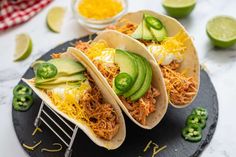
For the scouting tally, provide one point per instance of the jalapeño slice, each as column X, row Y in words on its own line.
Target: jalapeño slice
column 195, row 119
column 153, row 22
column 21, row 89
column 46, row 71
column 200, row 111
column 192, row 133
column 22, row 102
column 123, row 82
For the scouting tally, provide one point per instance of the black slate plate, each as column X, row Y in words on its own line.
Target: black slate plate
column 168, row 132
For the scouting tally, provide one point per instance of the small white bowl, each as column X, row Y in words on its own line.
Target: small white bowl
column 94, row 25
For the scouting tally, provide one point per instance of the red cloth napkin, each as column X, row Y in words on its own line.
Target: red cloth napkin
column 14, row 12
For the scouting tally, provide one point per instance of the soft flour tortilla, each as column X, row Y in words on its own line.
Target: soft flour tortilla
column 191, row 61
column 120, row 41
column 116, row 141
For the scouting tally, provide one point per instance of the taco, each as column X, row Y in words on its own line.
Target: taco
column 74, row 92
column 130, row 74
column 168, row 41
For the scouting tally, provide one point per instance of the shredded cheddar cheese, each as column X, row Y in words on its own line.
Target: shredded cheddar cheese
column 67, row 101
column 169, row 54
column 102, row 57
column 175, row 44
column 147, row 146
column 85, row 104
column 155, row 144
column 32, row 147
column 171, row 48
column 53, row 150
column 156, row 150
column 96, row 48
column 99, row 9
column 36, row 130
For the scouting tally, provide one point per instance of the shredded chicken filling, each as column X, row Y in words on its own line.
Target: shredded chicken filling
column 181, row 89
column 143, row 107
column 101, row 115
column 125, row 26
column 90, row 109
column 140, row 109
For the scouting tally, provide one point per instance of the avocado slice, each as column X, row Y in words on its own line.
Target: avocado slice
column 159, row 34
column 141, row 76
column 67, row 66
column 42, row 86
column 62, row 79
column 147, row 35
column 138, row 33
column 147, row 82
column 51, row 86
column 127, row 63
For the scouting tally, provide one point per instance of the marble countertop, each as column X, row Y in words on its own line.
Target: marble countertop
column 220, row 64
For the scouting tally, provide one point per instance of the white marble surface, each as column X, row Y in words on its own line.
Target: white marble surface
column 221, row 65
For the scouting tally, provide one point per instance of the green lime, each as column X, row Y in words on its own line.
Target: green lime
column 55, row 18
column 23, row 47
column 222, row 31
column 179, row 8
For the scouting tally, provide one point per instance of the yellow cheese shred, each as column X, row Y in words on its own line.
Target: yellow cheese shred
column 176, row 43
column 32, row 147
column 147, row 146
column 96, row 49
column 37, row 129
column 53, row 150
column 69, row 102
column 156, row 150
column 172, row 45
column 99, row 9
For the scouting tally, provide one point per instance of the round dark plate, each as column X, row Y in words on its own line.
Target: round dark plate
column 168, row 132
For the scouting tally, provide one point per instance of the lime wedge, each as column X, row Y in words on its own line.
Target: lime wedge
column 23, row 47
column 55, row 18
column 179, row 8
column 222, row 31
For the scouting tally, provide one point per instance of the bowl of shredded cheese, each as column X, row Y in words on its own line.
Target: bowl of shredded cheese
column 95, row 15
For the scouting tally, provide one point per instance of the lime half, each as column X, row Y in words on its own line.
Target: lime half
column 179, row 8
column 23, row 47
column 222, row 31
column 55, row 18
